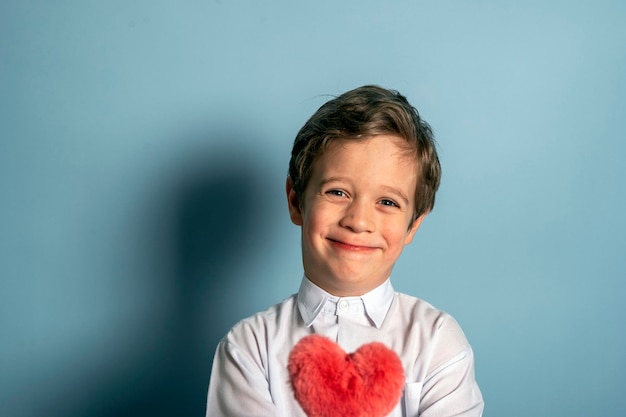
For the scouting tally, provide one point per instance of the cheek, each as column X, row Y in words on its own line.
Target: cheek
column 320, row 214
column 314, row 223
column 395, row 237
column 397, row 234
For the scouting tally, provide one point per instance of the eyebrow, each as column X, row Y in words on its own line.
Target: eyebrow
column 325, row 181
column 397, row 192
column 387, row 188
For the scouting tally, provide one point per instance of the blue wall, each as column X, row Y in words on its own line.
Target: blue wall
column 143, row 151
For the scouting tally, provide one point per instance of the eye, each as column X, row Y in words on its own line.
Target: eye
column 389, row 203
column 337, row 193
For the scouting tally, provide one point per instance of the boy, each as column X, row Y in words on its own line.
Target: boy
column 362, row 177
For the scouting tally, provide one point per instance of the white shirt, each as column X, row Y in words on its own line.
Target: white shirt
column 250, row 378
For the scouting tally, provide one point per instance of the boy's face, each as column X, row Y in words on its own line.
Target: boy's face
column 356, row 214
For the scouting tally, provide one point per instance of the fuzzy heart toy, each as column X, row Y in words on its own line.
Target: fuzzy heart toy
column 327, row 382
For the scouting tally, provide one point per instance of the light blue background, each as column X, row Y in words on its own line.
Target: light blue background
column 143, row 151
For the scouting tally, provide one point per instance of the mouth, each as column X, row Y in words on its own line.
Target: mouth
column 350, row 246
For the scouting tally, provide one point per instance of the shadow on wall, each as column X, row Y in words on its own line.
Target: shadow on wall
column 214, row 199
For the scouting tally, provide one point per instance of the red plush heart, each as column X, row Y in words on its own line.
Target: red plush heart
column 327, row 382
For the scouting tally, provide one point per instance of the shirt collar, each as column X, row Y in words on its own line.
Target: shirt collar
column 312, row 300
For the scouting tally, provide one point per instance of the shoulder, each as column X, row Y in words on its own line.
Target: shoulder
column 251, row 342
column 416, row 308
column 429, row 319
column 262, row 325
column 433, row 333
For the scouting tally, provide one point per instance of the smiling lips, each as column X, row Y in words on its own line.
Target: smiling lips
column 351, row 247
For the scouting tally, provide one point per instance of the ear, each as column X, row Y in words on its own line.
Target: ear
column 295, row 208
column 413, row 229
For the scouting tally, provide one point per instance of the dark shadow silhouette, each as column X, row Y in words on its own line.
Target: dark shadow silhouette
column 215, row 203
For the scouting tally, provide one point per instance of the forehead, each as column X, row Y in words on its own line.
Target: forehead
column 373, row 161
column 382, row 148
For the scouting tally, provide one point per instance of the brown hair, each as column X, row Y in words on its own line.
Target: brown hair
column 360, row 114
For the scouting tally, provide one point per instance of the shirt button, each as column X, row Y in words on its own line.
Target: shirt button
column 343, row 305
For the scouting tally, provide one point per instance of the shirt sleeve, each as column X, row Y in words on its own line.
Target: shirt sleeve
column 450, row 388
column 238, row 385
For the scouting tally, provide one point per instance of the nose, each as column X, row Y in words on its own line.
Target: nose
column 358, row 217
